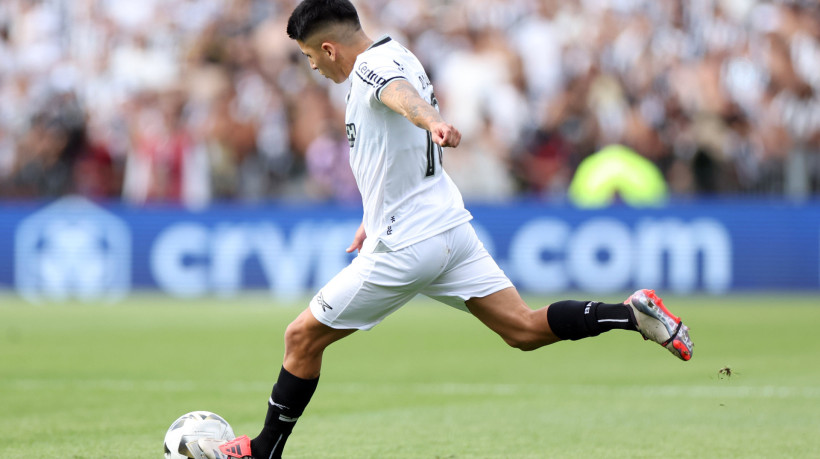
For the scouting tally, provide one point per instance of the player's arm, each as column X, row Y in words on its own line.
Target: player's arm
column 401, row 97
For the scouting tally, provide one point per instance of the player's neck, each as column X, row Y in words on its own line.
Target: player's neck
column 358, row 45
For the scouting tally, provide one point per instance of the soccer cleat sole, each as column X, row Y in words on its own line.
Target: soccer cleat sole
column 678, row 342
column 681, row 349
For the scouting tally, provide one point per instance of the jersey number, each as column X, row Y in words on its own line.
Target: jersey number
column 432, row 147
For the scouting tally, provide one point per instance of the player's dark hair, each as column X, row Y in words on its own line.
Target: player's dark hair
column 310, row 15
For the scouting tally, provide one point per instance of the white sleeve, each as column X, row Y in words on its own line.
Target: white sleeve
column 377, row 72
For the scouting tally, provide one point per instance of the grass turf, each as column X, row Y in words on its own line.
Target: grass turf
column 94, row 381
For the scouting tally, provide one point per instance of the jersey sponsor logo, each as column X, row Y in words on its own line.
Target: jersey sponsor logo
column 351, row 133
column 369, row 76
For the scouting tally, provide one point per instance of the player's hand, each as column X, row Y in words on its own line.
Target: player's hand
column 358, row 240
column 445, row 134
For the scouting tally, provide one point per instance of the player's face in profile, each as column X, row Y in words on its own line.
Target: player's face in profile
column 319, row 59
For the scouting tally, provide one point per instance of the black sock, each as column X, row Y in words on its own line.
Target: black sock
column 574, row 320
column 288, row 400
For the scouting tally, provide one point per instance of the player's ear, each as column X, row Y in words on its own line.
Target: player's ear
column 329, row 49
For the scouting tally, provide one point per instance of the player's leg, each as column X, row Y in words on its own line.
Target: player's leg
column 507, row 314
column 372, row 287
column 473, row 281
column 305, row 342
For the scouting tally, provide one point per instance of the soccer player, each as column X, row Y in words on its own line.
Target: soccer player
column 415, row 236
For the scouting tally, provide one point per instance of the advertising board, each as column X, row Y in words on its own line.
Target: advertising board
column 74, row 249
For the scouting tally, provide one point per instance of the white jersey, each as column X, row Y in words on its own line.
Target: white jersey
column 406, row 194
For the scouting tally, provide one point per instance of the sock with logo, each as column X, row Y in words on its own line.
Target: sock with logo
column 288, row 400
column 574, row 320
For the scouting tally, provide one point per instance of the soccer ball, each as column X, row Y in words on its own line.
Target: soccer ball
column 191, row 426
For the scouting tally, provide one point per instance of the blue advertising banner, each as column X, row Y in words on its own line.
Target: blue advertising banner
column 76, row 249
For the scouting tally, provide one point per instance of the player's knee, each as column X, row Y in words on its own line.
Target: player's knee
column 297, row 338
column 293, row 336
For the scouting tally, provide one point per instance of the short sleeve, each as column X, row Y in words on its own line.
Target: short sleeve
column 377, row 72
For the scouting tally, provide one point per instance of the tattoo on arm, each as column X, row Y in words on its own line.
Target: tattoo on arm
column 403, row 98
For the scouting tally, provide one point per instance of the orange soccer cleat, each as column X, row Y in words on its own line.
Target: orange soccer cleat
column 211, row 448
column 656, row 323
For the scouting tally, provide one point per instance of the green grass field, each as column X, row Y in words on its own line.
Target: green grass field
column 94, row 381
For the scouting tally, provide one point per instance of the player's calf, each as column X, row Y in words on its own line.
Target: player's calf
column 643, row 311
column 574, row 320
column 530, row 333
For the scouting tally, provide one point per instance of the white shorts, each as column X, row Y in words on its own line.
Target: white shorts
column 450, row 267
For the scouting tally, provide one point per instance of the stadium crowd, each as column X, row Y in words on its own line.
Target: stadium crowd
column 192, row 101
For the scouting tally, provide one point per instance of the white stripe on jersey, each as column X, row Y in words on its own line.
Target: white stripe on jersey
column 406, row 194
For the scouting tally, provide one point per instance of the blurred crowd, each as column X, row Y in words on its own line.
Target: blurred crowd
column 195, row 101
